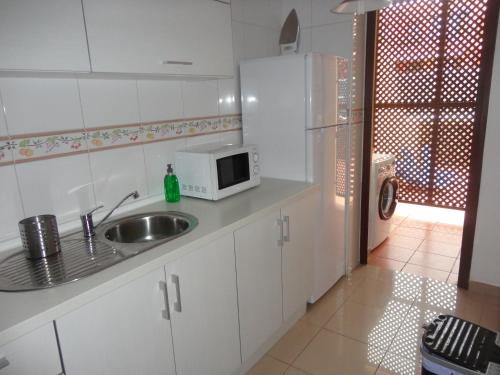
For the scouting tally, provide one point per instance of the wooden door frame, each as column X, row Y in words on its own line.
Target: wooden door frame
column 491, row 22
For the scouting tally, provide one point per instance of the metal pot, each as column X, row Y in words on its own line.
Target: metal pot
column 40, row 236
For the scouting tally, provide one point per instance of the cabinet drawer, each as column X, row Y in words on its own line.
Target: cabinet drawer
column 34, row 353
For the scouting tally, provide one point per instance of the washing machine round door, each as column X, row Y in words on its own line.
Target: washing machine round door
column 388, row 198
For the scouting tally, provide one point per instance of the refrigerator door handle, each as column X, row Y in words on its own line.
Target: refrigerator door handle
column 286, row 220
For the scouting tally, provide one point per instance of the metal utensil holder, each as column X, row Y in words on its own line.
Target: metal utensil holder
column 40, row 236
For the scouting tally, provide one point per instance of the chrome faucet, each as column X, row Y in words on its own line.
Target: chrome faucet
column 88, row 223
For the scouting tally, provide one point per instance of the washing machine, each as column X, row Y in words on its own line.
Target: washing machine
column 384, row 189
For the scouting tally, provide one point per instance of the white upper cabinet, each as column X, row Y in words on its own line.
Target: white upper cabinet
column 46, row 35
column 180, row 37
column 204, row 310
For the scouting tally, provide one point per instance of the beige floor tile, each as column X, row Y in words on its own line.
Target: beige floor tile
column 491, row 318
column 398, row 219
column 449, row 228
column 393, row 252
column 331, row 354
column 293, row 343
column 492, row 301
column 426, row 272
column 413, row 223
column 268, row 366
column 395, row 365
column 452, row 279
column 386, row 263
column 450, row 238
column 440, row 248
column 456, row 266
column 412, row 232
column 447, row 298
column 407, row 341
column 295, row 371
column 379, row 293
column 322, row 310
column 372, row 272
column 402, row 241
column 435, row 261
column 372, row 325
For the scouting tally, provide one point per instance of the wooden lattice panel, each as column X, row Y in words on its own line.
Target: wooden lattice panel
column 456, row 127
column 428, row 56
column 406, row 133
column 464, row 39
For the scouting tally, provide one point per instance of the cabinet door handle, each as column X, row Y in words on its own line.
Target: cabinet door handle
column 223, row 2
column 4, row 362
column 177, row 303
column 281, row 238
column 165, row 313
column 176, row 62
column 286, row 220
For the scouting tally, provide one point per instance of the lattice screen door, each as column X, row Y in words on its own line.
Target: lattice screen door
column 428, row 55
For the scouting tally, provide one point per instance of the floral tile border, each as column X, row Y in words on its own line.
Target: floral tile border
column 23, row 149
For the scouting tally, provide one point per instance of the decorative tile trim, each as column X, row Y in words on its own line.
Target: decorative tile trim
column 29, row 147
column 6, row 147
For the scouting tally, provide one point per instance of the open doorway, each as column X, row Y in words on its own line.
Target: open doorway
column 427, row 85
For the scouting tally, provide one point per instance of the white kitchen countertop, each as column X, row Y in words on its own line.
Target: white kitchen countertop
column 23, row 312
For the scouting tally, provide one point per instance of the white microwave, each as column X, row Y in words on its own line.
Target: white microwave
column 215, row 171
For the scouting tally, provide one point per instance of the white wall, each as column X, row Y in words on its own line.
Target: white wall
column 321, row 30
column 66, row 185
column 486, row 255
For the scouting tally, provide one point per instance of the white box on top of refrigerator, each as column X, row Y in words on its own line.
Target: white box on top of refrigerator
column 215, row 171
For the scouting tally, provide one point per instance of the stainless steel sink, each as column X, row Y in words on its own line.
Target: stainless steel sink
column 148, row 227
column 113, row 243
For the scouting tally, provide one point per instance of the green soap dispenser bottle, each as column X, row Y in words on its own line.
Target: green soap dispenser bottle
column 171, row 185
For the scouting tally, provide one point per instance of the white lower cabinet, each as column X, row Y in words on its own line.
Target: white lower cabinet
column 204, row 310
column 122, row 332
column 297, row 261
column 137, row 328
column 215, row 308
column 258, row 265
column 34, row 353
column 274, row 271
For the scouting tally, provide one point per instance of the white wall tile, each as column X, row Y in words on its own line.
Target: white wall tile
column 109, row 102
column 303, row 8
column 158, row 155
column 229, row 96
column 335, row 38
column 321, row 15
column 264, row 13
column 203, row 139
column 118, row 172
column 258, row 42
column 10, row 202
column 305, row 40
column 160, row 100
column 34, row 105
column 3, row 126
column 233, row 137
column 201, row 98
column 59, row 186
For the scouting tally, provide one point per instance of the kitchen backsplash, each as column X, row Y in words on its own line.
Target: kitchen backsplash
column 68, row 144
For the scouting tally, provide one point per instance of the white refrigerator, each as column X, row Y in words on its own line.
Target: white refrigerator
column 296, row 109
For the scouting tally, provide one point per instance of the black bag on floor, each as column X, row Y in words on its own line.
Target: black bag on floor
column 453, row 346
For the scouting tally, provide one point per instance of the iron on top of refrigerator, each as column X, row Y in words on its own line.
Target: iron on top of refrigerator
column 295, row 109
